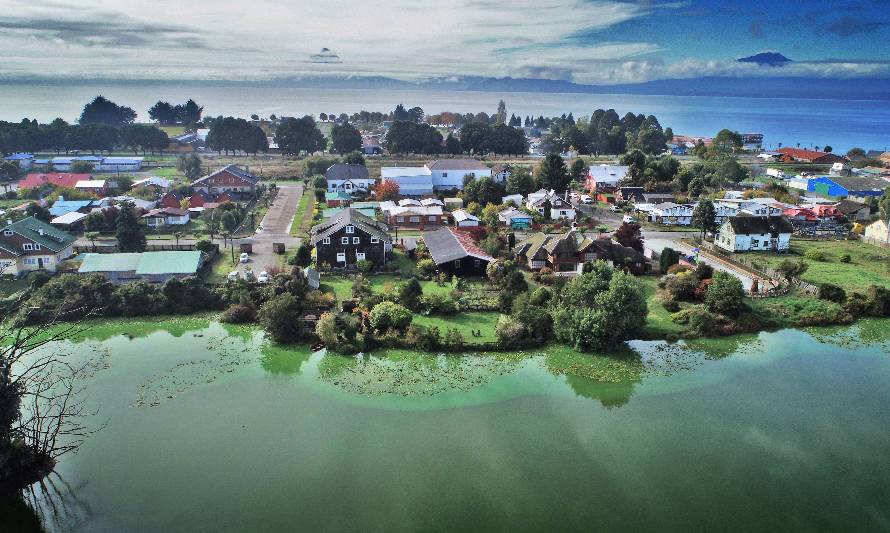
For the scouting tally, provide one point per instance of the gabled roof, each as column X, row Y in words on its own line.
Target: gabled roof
column 53, row 178
column 154, row 181
column 849, row 207
column 457, row 164
column 346, row 217
column 230, row 169
column 809, row 155
column 448, row 244
column 165, row 211
column 760, row 225
column 146, row 263
column 346, row 171
column 460, row 215
column 42, row 233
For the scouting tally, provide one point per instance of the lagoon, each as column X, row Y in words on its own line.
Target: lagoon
column 211, row 428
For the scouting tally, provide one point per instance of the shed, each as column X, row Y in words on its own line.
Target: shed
column 278, row 247
column 246, row 247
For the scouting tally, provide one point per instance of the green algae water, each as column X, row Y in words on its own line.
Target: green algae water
column 210, row 428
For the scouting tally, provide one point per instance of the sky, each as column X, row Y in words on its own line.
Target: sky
column 585, row 41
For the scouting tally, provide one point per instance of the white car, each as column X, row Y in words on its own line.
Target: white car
column 244, row 257
column 585, row 199
column 233, row 276
column 628, row 219
column 263, row 277
column 614, row 209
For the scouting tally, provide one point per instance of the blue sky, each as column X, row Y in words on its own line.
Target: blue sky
column 586, row 41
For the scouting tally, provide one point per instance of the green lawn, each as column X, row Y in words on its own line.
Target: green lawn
column 466, row 323
column 658, row 321
column 870, row 265
column 167, row 172
column 341, row 286
column 302, row 207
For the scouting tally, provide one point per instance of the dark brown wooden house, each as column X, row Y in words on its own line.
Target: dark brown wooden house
column 455, row 253
column 349, row 237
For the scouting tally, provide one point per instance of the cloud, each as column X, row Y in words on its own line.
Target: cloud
column 847, row 26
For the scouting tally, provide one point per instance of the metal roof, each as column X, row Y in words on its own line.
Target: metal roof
column 146, row 263
column 447, row 245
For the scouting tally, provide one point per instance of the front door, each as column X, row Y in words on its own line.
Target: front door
column 40, row 263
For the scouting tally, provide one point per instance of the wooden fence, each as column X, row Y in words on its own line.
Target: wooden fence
column 105, row 248
column 876, row 242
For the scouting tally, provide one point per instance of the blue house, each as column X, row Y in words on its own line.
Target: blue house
column 63, row 206
column 844, row 186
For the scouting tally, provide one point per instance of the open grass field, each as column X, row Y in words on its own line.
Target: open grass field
column 869, row 265
column 303, row 207
column 466, row 322
column 658, row 321
column 341, row 286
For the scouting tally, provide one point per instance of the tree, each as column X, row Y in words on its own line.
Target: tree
column 520, row 181
column 725, row 295
column 303, row 256
column 856, row 154
column 547, row 209
column 345, row 138
column 629, row 234
column 229, row 221
column 792, row 271
column 280, row 318
column 827, row 148
column 38, row 211
column 501, row 116
column 190, row 165
column 296, row 135
column 552, row 173
column 190, row 113
column 163, row 113
column 726, row 142
column 354, row 158
column 452, row 145
column 579, row 170
column 410, row 294
column 705, row 217
column 129, row 233
column 82, row 167
column 387, row 190
column 668, row 258
column 390, row 316
column 104, row 111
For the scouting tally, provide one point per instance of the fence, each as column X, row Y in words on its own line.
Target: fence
column 757, row 268
column 103, row 248
column 876, row 242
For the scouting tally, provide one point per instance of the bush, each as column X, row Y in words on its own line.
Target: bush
column 410, row 294
column 846, row 258
column 704, row 271
column 832, row 293
column 669, row 257
column 878, row 300
column 725, row 295
column 340, row 333
column 681, row 287
column 280, row 318
column 671, row 306
column 364, row 266
column 815, row 254
column 438, row 304
column 698, row 319
column 238, row 314
column 678, row 268
column 387, row 316
column 426, row 339
column 856, row 304
column 426, row 268
column 453, row 340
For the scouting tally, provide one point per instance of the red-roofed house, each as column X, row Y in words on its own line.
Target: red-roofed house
column 197, row 200
column 800, row 217
column 171, row 200
column 229, row 179
column 54, row 178
column 810, row 156
column 827, row 212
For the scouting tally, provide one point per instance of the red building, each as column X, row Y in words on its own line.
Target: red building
column 230, row 179
column 54, row 178
column 810, row 156
column 171, row 200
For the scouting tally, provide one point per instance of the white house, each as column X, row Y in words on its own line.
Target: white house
column 412, row 181
column 450, row 173
column 559, row 208
column 31, row 244
column 166, row 216
column 515, row 198
column 754, row 206
column 672, row 214
column 777, row 173
column 120, row 164
column 605, row 177
column 723, row 212
column 348, row 178
column 463, row 219
column 747, row 233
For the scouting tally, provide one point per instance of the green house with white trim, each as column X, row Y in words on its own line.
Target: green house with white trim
column 154, row 267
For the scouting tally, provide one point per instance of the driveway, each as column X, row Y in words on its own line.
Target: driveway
column 276, row 226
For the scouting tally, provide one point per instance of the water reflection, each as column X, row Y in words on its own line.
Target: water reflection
column 279, row 359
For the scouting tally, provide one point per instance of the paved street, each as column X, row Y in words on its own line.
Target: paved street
column 276, row 225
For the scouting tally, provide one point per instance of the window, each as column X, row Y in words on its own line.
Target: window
column 356, row 240
column 36, row 246
column 400, row 219
column 27, row 246
column 457, row 264
column 341, row 257
column 414, row 219
column 8, row 233
column 477, row 263
column 359, row 256
column 374, row 240
column 444, row 174
column 326, row 240
column 432, row 218
column 350, row 229
column 344, row 240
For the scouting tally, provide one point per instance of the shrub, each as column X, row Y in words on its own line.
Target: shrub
column 387, row 316
column 669, row 257
column 725, row 295
column 671, row 306
column 677, row 268
column 698, row 319
column 856, row 304
column 340, row 333
column 410, row 294
column 279, row 317
column 427, row 339
column 541, row 296
column 704, row 271
column 238, row 314
column 364, row 266
column 681, row 287
column 320, row 300
column 878, row 300
column 815, row 254
column 453, row 340
column 426, row 268
column 510, row 333
column 438, row 304
column 832, row 293
column 846, row 258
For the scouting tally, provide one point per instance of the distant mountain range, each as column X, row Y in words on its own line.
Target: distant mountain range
column 768, row 59
column 756, row 87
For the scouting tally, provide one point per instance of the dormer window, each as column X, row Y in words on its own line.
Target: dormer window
column 350, row 229
column 8, row 233
column 27, row 247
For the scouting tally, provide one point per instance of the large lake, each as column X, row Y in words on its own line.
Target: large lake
column 842, row 124
column 209, row 428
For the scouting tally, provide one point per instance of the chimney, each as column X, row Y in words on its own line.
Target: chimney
column 9, row 222
column 40, row 231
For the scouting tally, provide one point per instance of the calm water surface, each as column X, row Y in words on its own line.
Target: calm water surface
column 211, row 429
column 842, row 124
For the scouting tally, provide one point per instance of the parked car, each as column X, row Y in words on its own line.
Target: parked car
column 585, row 199
column 244, row 257
column 614, row 208
column 263, row 277
column 249, row 275
column 628, row 219
column 233, row 276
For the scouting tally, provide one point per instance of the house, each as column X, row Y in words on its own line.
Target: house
column 810, row 156
column 336, row 199
column 31, row 244
column 431, row 202
column 153, row 267
column 722, row 212
column 840, row 169
column 97, row 187
column 657, row 197
column 24, row 161
column 413, row 216
column 153, row 183
column 801, row 217
column 173, row 201
column 752, row 141
column 878, row 231
column 54, row 178
column 827, row 213
column 412, row 181
column 568, row 253
column 753, row 206
column 409, row 202
column 348, row 178
column 463, row 219
column 747, row 233
column 848, row 186
column 853, row 211
column 166, row 216
column 777, row 173
column 605, row 178
column 455, row 253
column 449, row 173
column 69, row 221
column 515, row 218
column 517, row 199
column 196, row 200
column 138, row 203
column 501, row 172
column 231, row 179
column 630, row 194
column 64, row 163
column 559, row 208
column 672, row 214
column 349, row 237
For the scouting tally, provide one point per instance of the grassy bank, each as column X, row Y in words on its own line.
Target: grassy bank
column 869, row 265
